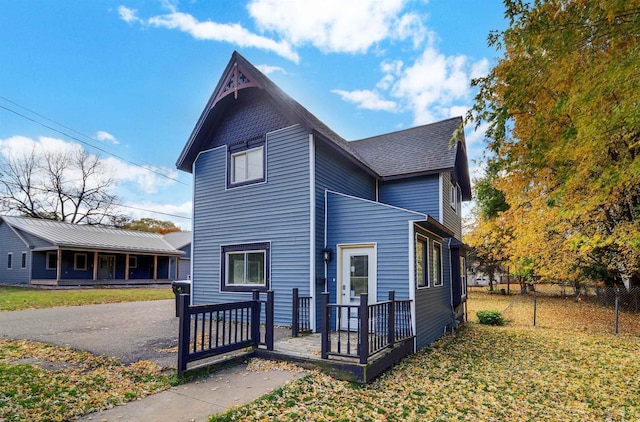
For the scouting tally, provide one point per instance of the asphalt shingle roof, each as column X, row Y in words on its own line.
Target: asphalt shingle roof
column 421, row 149
column 91, row 237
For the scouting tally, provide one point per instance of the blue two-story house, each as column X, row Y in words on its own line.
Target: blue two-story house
column 281, row 201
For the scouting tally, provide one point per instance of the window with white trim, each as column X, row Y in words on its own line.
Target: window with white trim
column 246, row 166
column 422, row 261
column 245, row 267
column 133, row 262
column 454, row 196
column 9, row 260
column 52, row 260
column 437, row 264
column 80, row 261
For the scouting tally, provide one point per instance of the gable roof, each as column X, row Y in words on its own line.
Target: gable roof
column 418, row 151
column 406, row 153
column 91, row 237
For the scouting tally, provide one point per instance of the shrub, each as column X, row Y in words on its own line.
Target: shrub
column 490, row 317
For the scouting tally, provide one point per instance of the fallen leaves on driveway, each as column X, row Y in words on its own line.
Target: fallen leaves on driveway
column 44, row 382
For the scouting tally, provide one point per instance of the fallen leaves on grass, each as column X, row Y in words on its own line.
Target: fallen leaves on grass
column 77, row 382
column 263, row 365
column 554, row 372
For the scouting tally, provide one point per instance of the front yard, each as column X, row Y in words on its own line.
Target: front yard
column 568, row 368
column 17, row 298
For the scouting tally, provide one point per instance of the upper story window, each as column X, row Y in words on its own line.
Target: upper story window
column 246, row 163
column 455, row 197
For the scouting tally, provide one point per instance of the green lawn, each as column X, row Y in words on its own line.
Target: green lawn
column 17, row 298
column 570, row 367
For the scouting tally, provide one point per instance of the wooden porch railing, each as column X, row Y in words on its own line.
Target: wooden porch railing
column 385, row 324
column 301, row 314
column 210, row 330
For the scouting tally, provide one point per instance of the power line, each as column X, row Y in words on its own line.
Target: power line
column 152, row 170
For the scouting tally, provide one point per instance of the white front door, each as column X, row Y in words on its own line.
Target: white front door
column 357, row 276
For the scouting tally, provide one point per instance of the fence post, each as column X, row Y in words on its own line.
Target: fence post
column 183, row 333
column 392, row 319
column 325, row 344
column 617, row 308
column 255, row 318
column 269, row 320
column 535, row 306
column 294, row 314
column 363, row 314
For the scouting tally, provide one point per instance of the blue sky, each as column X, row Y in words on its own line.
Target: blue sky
column 135, row 75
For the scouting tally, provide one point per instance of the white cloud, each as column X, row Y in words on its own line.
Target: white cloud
column 212, row 31
column 366, row 99
column 267, row 70
column 142, row 179
column 103, row 136
column 336, row 25
column 128, row 15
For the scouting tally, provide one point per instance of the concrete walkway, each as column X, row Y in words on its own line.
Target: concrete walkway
column 195, row 401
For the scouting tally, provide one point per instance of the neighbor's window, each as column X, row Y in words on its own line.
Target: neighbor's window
column 422, row 266
column 245, row 267
column 133, row 262
column 9, row 260
column 52, row 260
column 437, row 264
column 80, row 261
column 24, row 260
column 247, row 166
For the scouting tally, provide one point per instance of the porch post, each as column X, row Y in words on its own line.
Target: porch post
column 126, row 267
column 59, row 264
column 325, row 343
column 363, row 313
column 294, row 314
column 269, row 320
column 95, row 265
column 155, row 267
column 392, row 319
column 255, row 318
column 183, row 333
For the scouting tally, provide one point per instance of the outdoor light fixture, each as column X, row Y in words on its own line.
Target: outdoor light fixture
column 327, row 255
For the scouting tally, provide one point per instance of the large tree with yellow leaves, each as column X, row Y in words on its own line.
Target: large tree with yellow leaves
column 563, row 111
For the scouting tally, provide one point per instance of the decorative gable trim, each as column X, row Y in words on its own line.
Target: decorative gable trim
column 236, row 80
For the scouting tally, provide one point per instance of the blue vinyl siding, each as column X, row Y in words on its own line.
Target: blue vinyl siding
column 10, row 243
column 418, row 194
column 39, row 269
column 67, row 266
column 276, row 211
column 334, row 172
column 451, row 218
column 352, row 220
column 433, row 304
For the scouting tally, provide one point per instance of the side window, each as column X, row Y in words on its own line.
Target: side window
column 245, row 267
column 80, row 261
column 463, row 274
column 422, row 262
column 437, row 264
column 454, row 196
column 24, row 260
column 246, row 163
column 9, row 260
column 133, row 261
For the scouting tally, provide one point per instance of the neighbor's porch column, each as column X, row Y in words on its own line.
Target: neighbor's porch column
column 155, row 267
column 126, row 267
column 58, row 264
column 95, row 265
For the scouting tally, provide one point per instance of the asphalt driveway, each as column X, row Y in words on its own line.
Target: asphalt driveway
column 130, row 331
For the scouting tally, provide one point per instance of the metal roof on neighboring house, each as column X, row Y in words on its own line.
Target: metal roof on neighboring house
column 91, row 237
column 178, row 239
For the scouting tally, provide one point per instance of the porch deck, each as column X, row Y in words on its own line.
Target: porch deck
column 306, row 351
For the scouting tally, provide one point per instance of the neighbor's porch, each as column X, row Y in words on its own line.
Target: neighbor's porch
column 75, row 267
